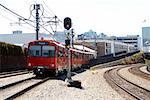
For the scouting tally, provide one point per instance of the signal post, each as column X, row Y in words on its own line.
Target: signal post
column 67, row 26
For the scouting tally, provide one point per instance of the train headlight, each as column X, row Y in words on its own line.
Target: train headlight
column 38, row 69
column 29, row 64
column 52, row 65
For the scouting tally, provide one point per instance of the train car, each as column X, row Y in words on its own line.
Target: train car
column 48, row 57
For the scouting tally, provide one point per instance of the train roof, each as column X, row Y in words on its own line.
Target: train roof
column 84, row 48
column 77, row 48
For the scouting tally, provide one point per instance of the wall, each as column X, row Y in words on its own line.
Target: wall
column 11, row 63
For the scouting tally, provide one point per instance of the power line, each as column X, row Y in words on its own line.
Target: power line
column 49, row 8
column 56, row 19
column 42, row 21
column 13, row 12
column 45, row 29
column 30, row 11
column 21, row 17
column 7, row 12
column 25, row 19
column 51, row 11
column 14, row 21
column 7, row 18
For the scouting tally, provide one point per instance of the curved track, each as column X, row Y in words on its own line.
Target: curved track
column 136, row 70
column 126, row 87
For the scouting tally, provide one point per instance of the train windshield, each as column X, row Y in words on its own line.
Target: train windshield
column 45, row 51
column 34, row 51
column 48, row 51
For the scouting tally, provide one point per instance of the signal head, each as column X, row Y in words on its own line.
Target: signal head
column 67, row 23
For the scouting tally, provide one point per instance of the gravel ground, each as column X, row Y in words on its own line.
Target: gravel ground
column 94, row 88
column 135, row 79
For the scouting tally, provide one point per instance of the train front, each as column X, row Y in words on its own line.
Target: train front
column 41, row 57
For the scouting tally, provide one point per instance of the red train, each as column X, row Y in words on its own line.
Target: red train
column 50, row 57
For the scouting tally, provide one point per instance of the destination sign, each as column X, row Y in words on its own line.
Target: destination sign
column 41, row 43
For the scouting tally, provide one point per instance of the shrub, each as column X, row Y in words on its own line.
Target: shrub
column 136, row 58
column 10, row 50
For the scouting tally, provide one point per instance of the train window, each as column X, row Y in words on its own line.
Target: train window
column 106, row 44
column 48, row 51
column 34, row 51
column 37, row 53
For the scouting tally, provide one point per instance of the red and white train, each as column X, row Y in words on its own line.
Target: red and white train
column 50, row 57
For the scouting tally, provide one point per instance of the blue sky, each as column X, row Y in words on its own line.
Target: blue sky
column 112, row 17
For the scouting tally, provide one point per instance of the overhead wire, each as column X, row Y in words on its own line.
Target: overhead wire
column 7, row 18
column 48, row 8
column 28, row 19
column 30, row 12
column 22, row 18
column 51, row 18
column 13, row 12
column 6, row 11
column 52, row 12
column 42, row 21
column 42, row 12
column 13, row 21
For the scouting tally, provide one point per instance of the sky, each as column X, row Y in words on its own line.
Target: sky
column 111, row 17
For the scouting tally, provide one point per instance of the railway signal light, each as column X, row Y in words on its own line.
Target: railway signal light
column 67, row 23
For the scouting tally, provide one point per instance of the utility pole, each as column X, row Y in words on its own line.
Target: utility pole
column 96, row 45
column 72, row 33
column 69, row 57
column 37, row 8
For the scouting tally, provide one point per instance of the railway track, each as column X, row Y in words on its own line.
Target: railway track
column 12, row 91
column 136, row 71
column 15, row 83
column 125, row 87
column 13, row 73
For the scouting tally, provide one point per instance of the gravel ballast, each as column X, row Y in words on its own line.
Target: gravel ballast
column 94, row 88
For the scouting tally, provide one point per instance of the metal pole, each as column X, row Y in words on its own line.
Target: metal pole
column 114, row 48
column 83, row 42
column 72, row 33
column 69, row 59
column 37, row 8
column 96, row 46
column 69, row 66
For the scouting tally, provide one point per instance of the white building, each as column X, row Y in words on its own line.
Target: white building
column 146, row 38
column 22, row 38
column 131, row 39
